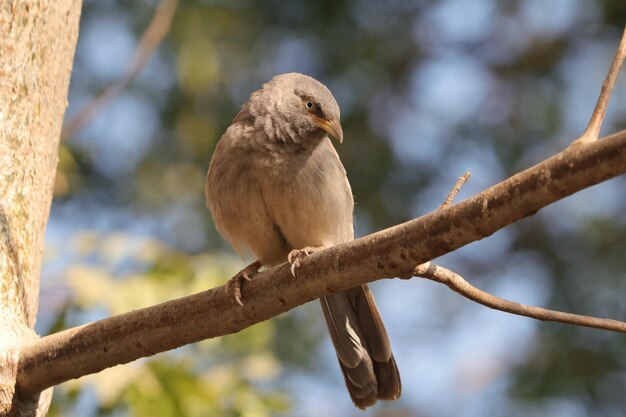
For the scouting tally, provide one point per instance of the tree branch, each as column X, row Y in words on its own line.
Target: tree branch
column 392, row 252
column 592, row 131
column 456, row 283
column 455, row 190
column 156, row 31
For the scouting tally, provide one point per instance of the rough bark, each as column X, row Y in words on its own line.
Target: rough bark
column 37, row 43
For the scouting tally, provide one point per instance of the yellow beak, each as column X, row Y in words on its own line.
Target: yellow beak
column 332, row 127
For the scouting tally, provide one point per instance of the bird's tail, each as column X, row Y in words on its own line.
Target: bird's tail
column 362, row 346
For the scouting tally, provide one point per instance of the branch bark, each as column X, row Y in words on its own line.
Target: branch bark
column 37, row 42
column 393, row 252
column 592, row 132
column 459, row 285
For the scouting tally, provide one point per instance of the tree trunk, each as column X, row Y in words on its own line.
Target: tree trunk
column 37, row 43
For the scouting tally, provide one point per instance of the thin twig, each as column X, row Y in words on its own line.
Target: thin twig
column 156, row 31
column 456, row 283
column 592, row 132
column 455, row 190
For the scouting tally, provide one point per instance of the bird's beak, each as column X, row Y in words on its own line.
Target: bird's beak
column 332, row 127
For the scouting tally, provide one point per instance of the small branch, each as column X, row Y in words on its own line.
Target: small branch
column 393, row 252
column 456, row 283
column 455, row 190
column 592, row 132
column 150, row 40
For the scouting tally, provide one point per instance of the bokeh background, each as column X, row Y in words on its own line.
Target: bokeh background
column 428, row 90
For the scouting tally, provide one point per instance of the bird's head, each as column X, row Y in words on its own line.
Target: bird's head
column 299, row 106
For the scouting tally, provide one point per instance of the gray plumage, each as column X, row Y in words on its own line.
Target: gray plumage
column 275, row 183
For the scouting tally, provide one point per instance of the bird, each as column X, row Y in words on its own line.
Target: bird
column 277, row 188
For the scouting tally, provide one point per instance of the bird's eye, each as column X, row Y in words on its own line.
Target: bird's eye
column 309, row 105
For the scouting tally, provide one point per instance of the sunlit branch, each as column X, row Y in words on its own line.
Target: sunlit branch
column 455, row 190
column 592, row 132
column 456, row 283
column 393, row 252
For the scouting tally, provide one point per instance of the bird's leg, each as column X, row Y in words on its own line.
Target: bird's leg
column 233, row 286
column 295, row 256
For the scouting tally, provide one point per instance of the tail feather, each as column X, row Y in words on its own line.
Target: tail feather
column 362, row 346
column 370, row 323
column 363, row 391
column 388, row 378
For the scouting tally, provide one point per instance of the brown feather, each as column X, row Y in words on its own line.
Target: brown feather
column 388, row 378
column 362, row 346
column 371, row 323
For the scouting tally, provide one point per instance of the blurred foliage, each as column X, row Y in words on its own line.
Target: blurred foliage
column 427, row 90
column 233, row 375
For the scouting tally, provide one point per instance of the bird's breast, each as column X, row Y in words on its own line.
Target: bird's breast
column 309, row 197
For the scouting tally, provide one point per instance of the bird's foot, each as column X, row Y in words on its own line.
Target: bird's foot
column 296, row 256
column 233, row 286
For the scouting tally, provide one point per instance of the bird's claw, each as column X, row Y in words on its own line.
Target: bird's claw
column 295, row 263
column 246, row 275
column 296, row 256
column 233, row 286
